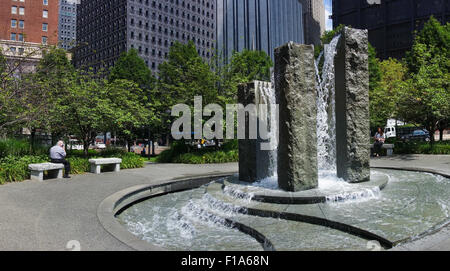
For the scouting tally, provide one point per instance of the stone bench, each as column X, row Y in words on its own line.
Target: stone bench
column 388, row 147
column 97, row 163
column 54, row 170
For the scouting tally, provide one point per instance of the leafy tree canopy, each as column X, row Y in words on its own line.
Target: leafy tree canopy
column 132, row 67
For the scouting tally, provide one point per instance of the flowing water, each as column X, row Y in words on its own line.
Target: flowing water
column 199, row 219
column 326, row 116
column 412, row 203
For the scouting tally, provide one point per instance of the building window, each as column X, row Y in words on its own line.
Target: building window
column 20, row 37
column 45, row 27
column 13, row 36
column 45, row 13
column 21, row 24
column 13, row 23
column 13, row 10
column 44, row 40
column 21, row 11
column 45, row 2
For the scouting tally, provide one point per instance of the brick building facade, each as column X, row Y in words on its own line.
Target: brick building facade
column 34, row 21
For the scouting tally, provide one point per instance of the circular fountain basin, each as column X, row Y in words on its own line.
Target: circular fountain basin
column 228, row 215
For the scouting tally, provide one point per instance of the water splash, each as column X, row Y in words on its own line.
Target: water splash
column 326, row 117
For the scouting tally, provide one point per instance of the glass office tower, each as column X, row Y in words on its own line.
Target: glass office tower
column 257, row 25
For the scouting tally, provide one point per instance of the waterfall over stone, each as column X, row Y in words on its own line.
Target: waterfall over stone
column 326, row 116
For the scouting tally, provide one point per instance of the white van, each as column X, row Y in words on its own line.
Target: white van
column 390, row 132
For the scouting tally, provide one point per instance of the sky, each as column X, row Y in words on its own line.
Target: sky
column 328, row 12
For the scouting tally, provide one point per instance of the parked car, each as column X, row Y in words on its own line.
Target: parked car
column 422, row 135
column 75, row 145
column 98, row 146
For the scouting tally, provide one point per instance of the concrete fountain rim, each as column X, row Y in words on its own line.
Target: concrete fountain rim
column 116, row 203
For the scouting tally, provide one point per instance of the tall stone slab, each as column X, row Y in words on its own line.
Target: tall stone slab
column 254, row 162
column 247, row 146
column 352, row 106
column 296, row 91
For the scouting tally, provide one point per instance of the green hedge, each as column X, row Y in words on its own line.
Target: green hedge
column 20, row 147
column 182, row 153
column 216, row 157
column 15, row 158
column 421, row 148
column 15, row 169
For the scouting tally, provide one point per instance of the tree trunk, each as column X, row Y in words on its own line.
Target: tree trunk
column 86, row 143
column 32, row 137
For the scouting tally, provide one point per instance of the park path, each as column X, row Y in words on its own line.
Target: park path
column 48, row 215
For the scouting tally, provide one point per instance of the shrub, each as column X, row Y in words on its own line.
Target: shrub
column 79, row 165
column 178, row 148
column 15, row 169
column 20, row 147
column 207, row 157
column 231, row 145
column 421, row 148
column 131, row 160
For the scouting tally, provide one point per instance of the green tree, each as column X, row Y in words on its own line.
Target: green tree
column 22, row 99
column 185, row 75
column 384, row 97
column 182, row 77
column 426, row 102
column 249, row 65
column 243, row 67
column 132, row 67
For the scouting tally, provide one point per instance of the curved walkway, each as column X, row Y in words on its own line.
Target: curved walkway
column 48, row 215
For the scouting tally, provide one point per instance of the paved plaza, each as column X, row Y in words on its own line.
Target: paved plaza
column 48, row 215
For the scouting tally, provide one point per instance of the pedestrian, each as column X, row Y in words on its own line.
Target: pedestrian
column 58, row 156
column 380, row 138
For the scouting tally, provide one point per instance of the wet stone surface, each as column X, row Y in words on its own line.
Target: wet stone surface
column 411, row 204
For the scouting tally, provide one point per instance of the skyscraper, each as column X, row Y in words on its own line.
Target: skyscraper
column 67, row 28
column 391, row 23
column 257, row 24
column 313, row 20
column 106, row 28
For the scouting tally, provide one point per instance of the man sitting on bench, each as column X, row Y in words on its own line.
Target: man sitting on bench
column 58, row 156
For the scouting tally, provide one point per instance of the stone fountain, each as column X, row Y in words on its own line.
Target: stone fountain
column 296, row 91
column 314, row 189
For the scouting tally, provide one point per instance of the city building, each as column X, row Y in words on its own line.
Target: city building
column 67, row 29
column 313, row 20
column 34, row 21
column 391, row 23
column 26, row 27
column 106, row 28
column 257, row 25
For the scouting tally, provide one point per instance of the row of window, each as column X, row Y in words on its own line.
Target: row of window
column 22, row 11
column 20, row 37
column 21, row 24
column 44, row 2
column 177, row 2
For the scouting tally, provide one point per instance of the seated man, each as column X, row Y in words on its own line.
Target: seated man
column 58, row 156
